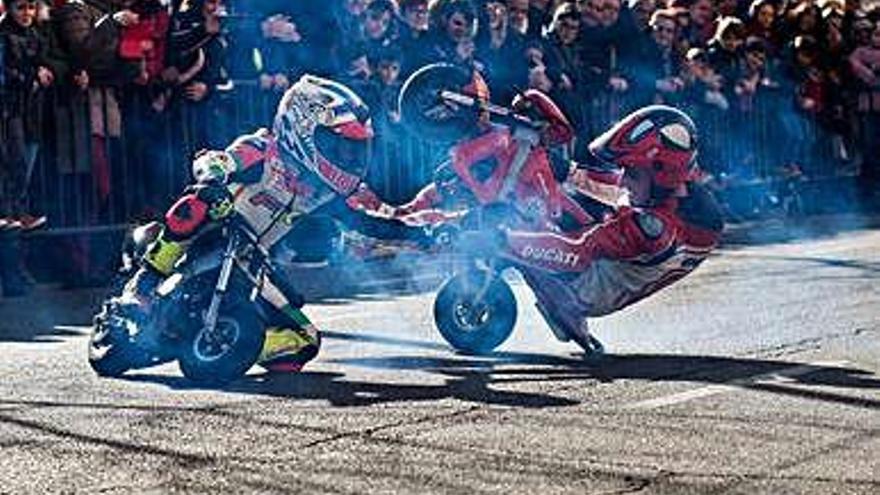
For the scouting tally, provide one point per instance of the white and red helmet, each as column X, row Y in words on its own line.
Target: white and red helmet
column 657, row 138
column 320, row 122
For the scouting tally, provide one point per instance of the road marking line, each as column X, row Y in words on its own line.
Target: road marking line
column 733, row 385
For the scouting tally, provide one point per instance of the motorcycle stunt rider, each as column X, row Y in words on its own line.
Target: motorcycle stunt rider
column 311, row 162
column 669, row 227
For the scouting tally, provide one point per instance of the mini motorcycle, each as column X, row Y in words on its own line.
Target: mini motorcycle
column 475, row 309
column 203, row 315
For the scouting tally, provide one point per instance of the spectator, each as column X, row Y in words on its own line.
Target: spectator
column 502, row 49
column 657, row 75
column 565, row 68
column 453, row 26
column 865, row 64
column 702, row 25
column 724, row 51
column 26, row 73
column 642, row 11
column 413, row 35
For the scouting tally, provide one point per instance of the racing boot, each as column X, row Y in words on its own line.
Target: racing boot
column 289, row 347
column 579, row 333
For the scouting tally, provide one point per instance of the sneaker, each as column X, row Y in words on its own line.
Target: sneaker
column 30, row 222
column 11, row 224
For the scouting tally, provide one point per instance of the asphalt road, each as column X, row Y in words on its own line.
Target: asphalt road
column 758, row 374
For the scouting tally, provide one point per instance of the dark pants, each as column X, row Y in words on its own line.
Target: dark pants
column 16, row 161
column 12, row 278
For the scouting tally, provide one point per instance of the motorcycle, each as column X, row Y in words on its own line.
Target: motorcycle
column 202, row 315
column 475, row 309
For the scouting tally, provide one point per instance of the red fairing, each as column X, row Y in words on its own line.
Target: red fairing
column 622, row 237
column 186, row 216
column 495, row 143
column 560, row 131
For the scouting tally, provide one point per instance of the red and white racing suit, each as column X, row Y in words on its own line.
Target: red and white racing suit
column 633, row 253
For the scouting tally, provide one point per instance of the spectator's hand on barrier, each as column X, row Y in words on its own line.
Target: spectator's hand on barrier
column 538, row 79
column 808, row 104
column 171, row 75
column 45, row 76
column 81, row 80
column 126, row 17
column 669, row 85
column 266, row 81
column 281, row 82
column 196, row 91
column 618, row 84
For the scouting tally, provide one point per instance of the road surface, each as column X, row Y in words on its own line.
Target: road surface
column 758, row 374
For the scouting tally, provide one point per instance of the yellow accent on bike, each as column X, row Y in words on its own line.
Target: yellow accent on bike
column 163, row 254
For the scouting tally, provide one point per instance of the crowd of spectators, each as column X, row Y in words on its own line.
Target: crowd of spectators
column 107, row 99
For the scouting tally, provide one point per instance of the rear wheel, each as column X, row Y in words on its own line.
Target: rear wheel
column 471, row 325
column 226, row 353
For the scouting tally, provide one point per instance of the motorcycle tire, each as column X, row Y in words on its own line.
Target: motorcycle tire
column 422, row 111
column 454, row 313
column 214, row 363
column 112, row 351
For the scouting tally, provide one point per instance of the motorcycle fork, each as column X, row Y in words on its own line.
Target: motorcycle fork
column 220, row 289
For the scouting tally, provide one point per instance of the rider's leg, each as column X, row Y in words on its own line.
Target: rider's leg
column 564, row 313
column 291, row 338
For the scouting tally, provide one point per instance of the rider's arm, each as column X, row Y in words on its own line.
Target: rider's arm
column 629, row 235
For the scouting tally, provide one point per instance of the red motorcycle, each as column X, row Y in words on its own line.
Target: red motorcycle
column 501, row 174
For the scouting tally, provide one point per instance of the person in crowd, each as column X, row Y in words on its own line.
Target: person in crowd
column 724, row 51
column 26, row 71
column 657, row 77
column 502, row 47
column 413, row 35
column 565, row 67
column 702, row 25
column 864, row 62
column 452, row 29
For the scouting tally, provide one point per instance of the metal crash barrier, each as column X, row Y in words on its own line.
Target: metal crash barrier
column 111, row 157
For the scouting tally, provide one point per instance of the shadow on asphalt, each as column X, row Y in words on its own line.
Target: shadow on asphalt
column 484, row 379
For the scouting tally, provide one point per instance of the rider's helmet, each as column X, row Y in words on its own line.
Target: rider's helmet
column 326, row 127
column 657, row 138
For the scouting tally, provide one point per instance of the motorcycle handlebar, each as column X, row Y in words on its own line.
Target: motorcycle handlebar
column 497, row 110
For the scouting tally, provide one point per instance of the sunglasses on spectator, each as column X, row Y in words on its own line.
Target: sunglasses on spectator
column 664, row 29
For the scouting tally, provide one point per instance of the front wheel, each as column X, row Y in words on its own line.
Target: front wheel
column 472, row 325
column 226, row 353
